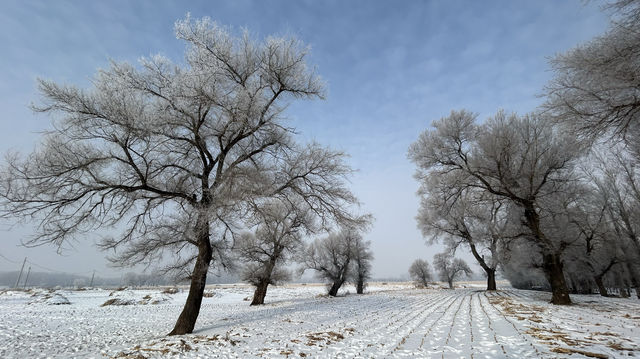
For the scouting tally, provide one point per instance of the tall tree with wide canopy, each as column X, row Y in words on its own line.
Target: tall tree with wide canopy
column 465, row 217
column 521, row 159
column 171, row 154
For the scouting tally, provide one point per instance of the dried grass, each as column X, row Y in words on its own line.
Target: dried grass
column 578, row 351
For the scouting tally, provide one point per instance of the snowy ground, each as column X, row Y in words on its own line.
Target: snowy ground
column 392, row 320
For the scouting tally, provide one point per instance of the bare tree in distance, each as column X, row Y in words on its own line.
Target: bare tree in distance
column 173, row 154
column 519, row 159
column 420, row 272
column 332, row 257
column 362, row 257
column 449, row 268
column 264, row 253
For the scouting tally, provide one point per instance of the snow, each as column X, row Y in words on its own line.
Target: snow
column 391, row 321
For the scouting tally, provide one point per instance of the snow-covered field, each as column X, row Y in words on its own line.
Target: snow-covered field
column 393, row 320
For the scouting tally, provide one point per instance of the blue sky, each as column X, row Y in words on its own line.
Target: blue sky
column 391, row 68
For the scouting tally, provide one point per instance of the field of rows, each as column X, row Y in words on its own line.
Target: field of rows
column 392, row 321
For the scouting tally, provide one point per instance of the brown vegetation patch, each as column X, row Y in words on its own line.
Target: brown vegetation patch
column 324, row 338
column 551, row 336
column 116, row 301
column 173, row 290
column 172, row 346
column 286, row 352
column 578, row 351
column 608, row 334
column 130, row 356
column 619, row 347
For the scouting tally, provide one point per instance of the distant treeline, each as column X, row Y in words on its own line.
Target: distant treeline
column 43, row 279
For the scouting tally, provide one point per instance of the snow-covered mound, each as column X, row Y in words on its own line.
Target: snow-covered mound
column 49, row 298
column 131, row 297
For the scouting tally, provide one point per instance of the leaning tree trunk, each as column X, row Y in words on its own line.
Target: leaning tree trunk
column 260, row 293
column 601, row 288
column 261, row 289
column 551, row 261
column 491, row 272
column 187, row 319
column 552, row 267
column 333, row 291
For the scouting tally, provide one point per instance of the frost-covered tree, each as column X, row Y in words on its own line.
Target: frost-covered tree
column 519, row 159
column 596, row 250
column 521, row 265
column 595, row 89
column 617, row 183
column 420, row 272
column 463, row 216
column 362, row 257
column 332, row 257
column 450, row 268
column 171, row 154
column 265, row 252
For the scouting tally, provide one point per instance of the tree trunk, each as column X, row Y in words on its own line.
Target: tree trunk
column 624, row 293
column 450, row 282
column 187, row 319
column 491, row 272
column 360, row 286
column 601, row 288
column 552, row 267
column 260, row 293
column 335, row 287
column 551, row 262
column 633, row 274
column 491, row 279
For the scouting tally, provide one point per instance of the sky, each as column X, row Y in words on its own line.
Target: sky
column 391, row 68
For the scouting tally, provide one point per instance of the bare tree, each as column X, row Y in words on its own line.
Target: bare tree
column 595, row 89
column 463, row 216
column 172, row 154
column 362, row 257
column 597, row 248
column 615, row 176
column 278, row 236
column 449, row 268
column 420, row 272
column 522, row 160
column 332, row 257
